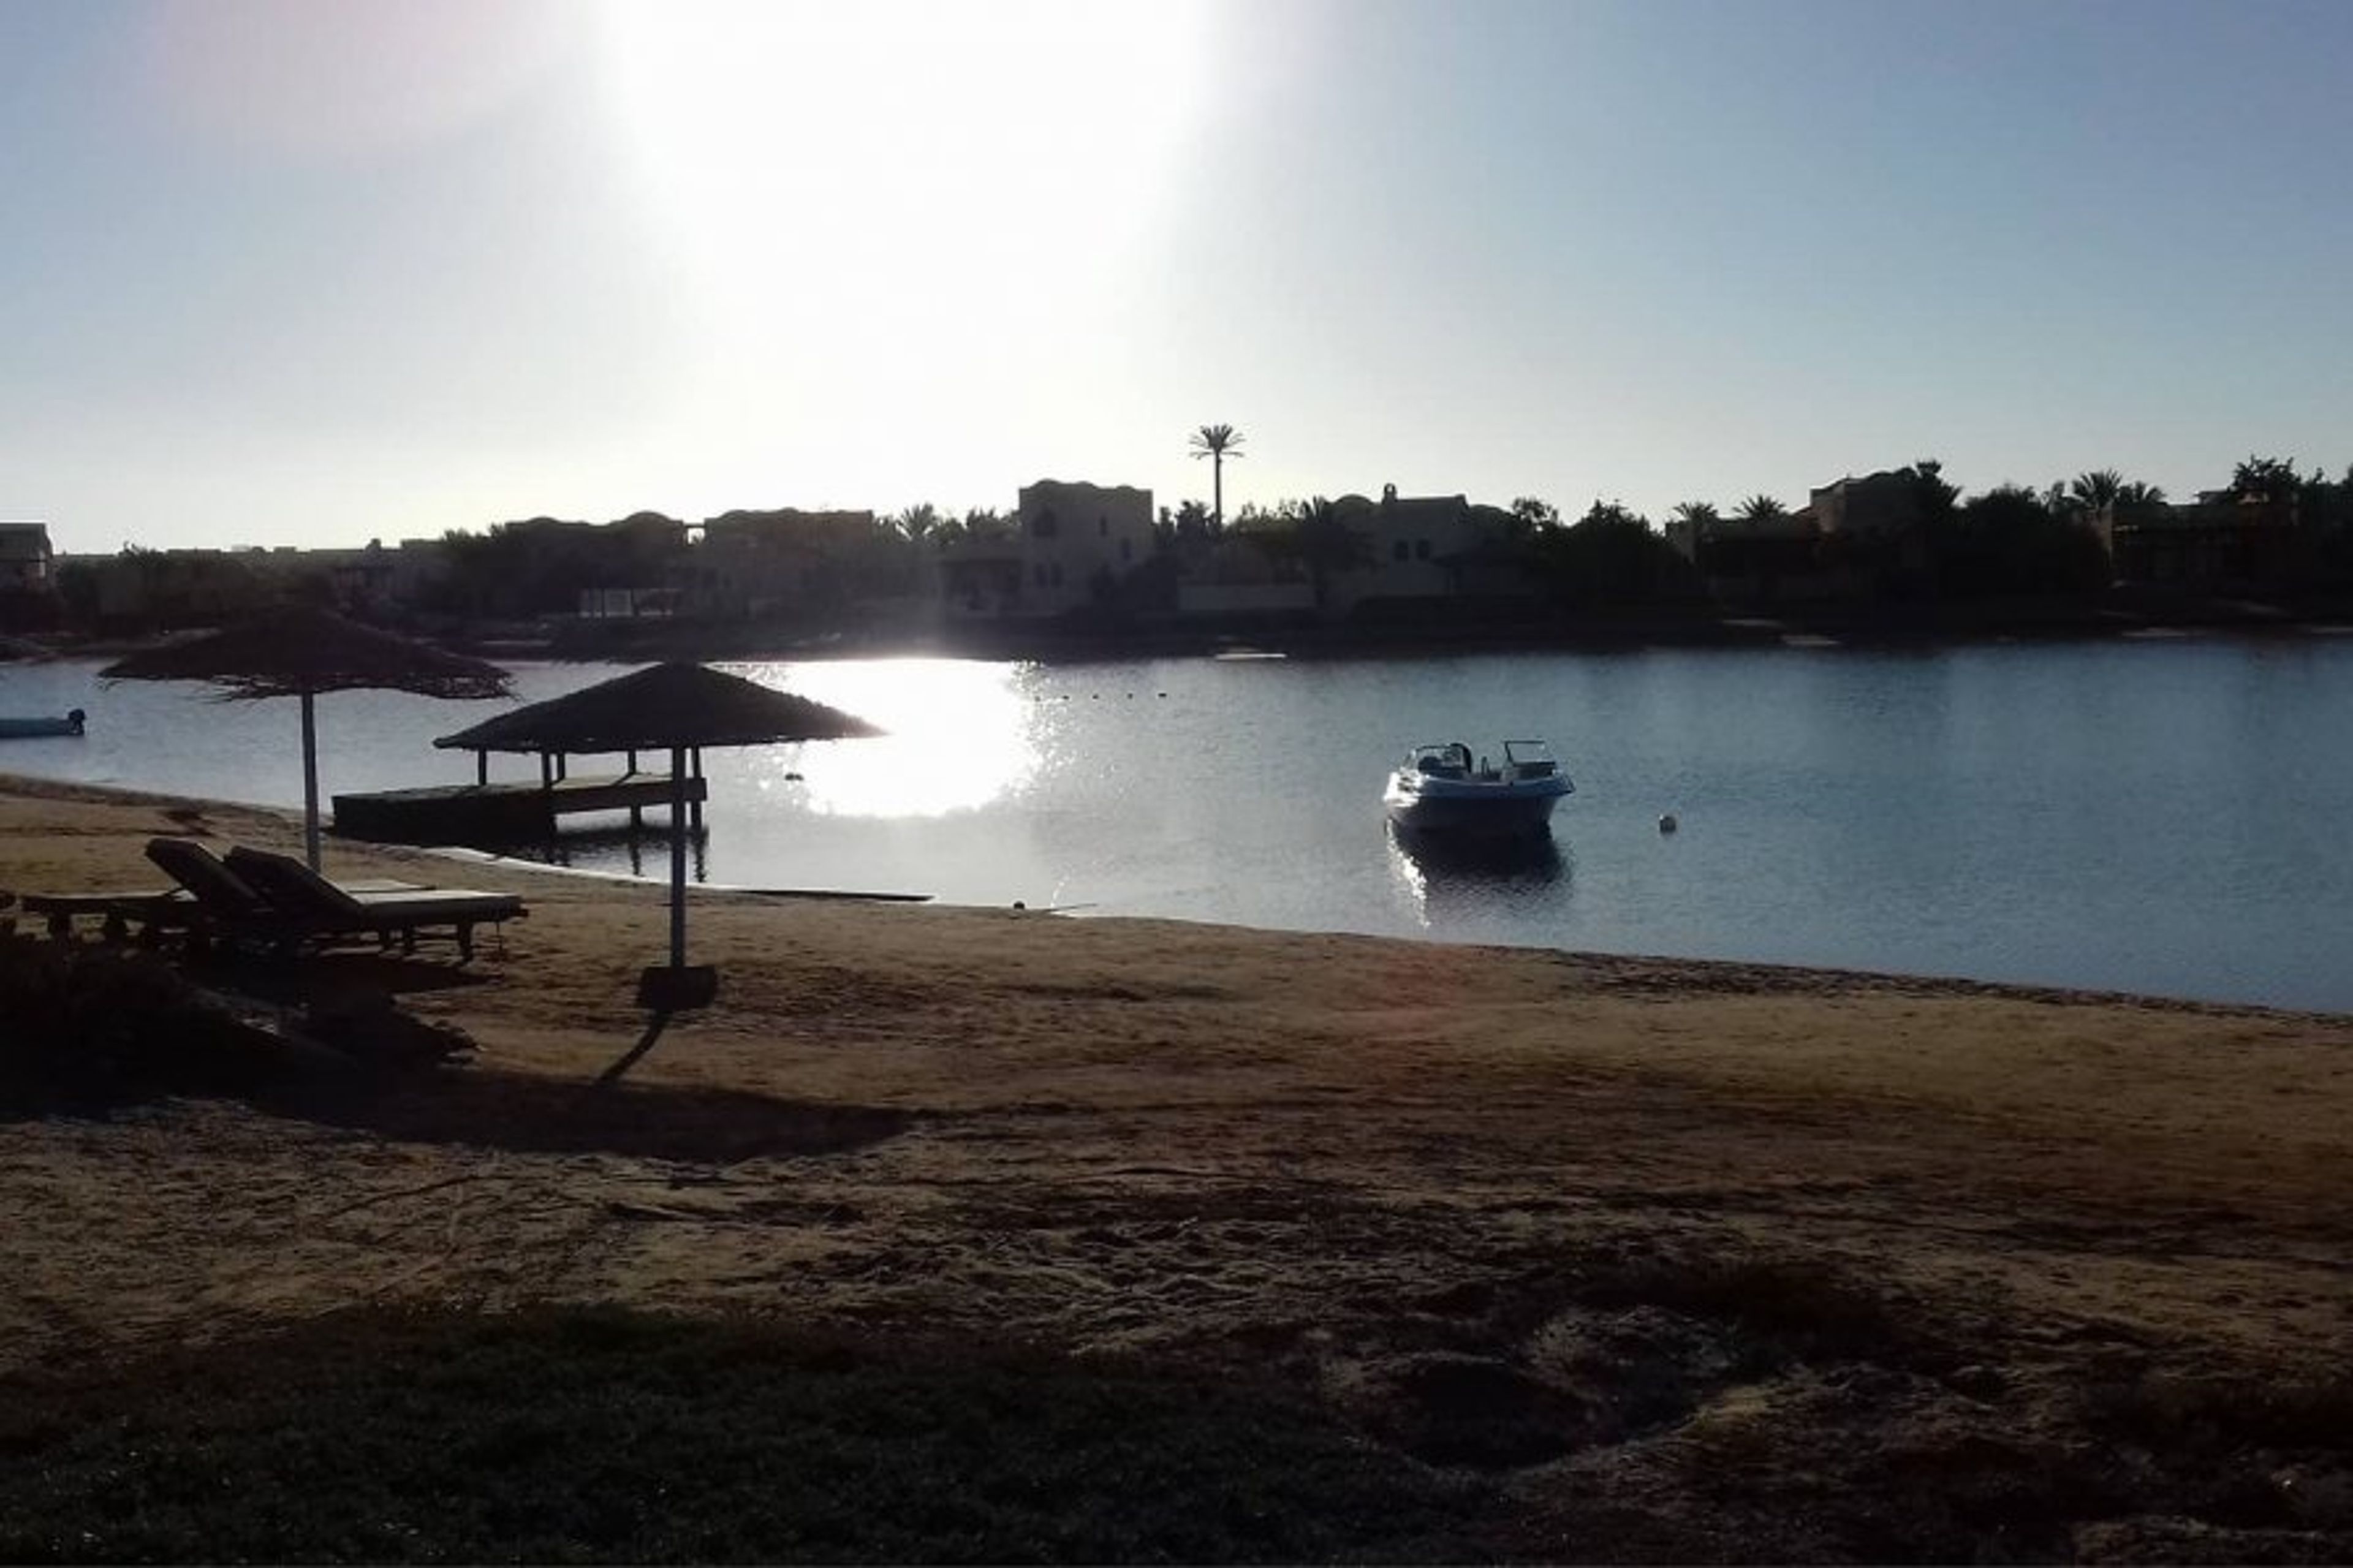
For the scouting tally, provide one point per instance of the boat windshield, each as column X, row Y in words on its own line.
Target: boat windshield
column 1529, row 760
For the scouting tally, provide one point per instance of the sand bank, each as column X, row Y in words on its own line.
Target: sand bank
column 1371, row 1161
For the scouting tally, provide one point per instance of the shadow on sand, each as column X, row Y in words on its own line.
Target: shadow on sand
column 324, row 977
column 349, row 1057
column 529, row 1114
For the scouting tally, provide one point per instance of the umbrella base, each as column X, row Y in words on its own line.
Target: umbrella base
column 667, row 988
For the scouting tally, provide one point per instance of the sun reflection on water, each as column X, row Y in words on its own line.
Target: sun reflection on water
column 959, row 736
column 1445, row 883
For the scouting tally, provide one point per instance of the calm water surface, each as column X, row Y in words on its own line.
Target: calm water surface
column 2163, row 818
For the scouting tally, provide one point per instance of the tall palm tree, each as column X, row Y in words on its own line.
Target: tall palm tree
column 1760, row 506
column 919, row 522
column 2095, row 490
column 1217, row 442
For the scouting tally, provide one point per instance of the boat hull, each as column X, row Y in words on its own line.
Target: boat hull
column 36, row 728
column 1474, row 811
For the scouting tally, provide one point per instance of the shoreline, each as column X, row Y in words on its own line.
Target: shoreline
column 493, row 863
column 1628, row 1253
column 1472, row 629
column 2140, row 614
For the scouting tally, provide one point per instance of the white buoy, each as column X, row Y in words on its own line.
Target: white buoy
column 1667, row 821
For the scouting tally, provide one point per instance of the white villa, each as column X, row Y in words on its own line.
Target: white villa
column 1071, row 542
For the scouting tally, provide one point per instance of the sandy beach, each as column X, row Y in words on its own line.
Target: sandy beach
column 1526, row 1213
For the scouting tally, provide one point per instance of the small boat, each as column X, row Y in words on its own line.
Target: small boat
column 28, row 729
column 1441, row 790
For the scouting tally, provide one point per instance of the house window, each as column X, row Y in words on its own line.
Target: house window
column 1042, row 525
column 1127, row 550
column 1421, row 549
column 1398, row 551
column 1102, row 528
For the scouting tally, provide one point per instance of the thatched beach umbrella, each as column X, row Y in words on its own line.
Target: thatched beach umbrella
column 301, row 651
column 680, row 708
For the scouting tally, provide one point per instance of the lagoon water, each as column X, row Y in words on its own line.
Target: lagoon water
column 2166, row 817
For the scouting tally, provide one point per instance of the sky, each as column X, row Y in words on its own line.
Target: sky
column 319, row 271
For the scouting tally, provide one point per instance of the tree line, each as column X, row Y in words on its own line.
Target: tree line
column 2009, row 541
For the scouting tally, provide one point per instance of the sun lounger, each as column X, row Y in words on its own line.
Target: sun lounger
column 255, row 898
column 320, row 910
column 117, row 912
column 203, row 886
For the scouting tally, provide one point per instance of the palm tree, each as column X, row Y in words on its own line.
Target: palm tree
column 919, row 522
column 1217, row 442
column 2100, row 488
column 1761, row 506
column 1698, row 511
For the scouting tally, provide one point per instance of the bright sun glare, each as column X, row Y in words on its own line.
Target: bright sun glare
column 957, row 735
column 873, row 189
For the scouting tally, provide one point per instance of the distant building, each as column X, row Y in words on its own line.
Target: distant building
column 752, row 564
column 1239, row 576
column 420, row 569
column 1424, row 548
column 25, row 557
column 2222, row 539
column 355, row 582
column 1071, row 544
column 1399, row 552
column 168, row 590
column 1874, row 531
column 28, row 588
column 1757, row 559
column 1877, row 505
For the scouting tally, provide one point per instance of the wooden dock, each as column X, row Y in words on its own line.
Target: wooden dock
column 502, row 812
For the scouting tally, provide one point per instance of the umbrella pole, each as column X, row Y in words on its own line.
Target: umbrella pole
column 309, row 783
column 678, row 858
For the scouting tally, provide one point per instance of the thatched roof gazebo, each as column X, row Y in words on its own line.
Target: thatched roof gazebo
column 664, row 706
column 301, row 651
column 680, row 707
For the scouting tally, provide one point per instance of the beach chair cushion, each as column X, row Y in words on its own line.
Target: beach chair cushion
column 155, row 911
column 207, row 879
column 300, row 893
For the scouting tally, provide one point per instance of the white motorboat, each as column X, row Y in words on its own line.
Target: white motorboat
column 1442, row 790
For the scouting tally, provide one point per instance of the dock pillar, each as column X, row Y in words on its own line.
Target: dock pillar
column 697, row 807
column 637, row 813
column 677, row 856
column 482, row 769
column 309, row 785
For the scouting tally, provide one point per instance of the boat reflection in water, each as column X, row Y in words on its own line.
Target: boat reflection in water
column 1455, row 881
